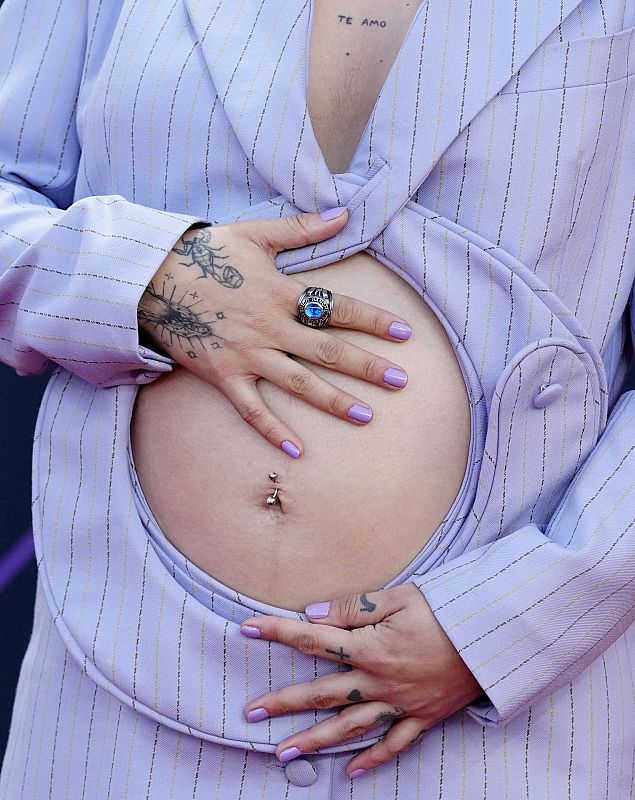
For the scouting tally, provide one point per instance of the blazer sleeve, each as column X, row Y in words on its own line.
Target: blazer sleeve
column 71, row 273
column 530, row 611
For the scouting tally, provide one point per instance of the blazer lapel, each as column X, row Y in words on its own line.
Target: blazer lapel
column 457, row 55
column 255, row 51
column 460, row 55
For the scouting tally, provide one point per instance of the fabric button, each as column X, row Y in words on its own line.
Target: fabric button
column 301, row 772
column 547, row 394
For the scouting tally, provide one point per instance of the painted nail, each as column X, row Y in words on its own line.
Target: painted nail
column 360, row 413
column 332, row 213
column 250, row 631
column 400, row 330
column 318, row 610
column 395, row 377
column 257, row 714
column 357, row 772
column 289, row 754
column 290, row 449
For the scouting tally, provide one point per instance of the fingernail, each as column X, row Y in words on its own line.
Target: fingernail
column 250, row 631
column 395, row 377
column 290, row 449
column 318, row 610
column 360, row 413
column 332, row 213
column 257, row 714
column 289, row 754
column 400, row 330
column 357, row 772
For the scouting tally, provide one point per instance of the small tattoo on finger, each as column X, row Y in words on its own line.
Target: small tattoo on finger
column 340, row 653
column 366, row 604
column 355, row 696
column 390, row 716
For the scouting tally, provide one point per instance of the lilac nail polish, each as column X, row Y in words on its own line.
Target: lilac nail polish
column 257, row 714
column 289, row 754
column 357, row 772
column 290, row 449
column 360, row 413
column 318, row 610
column 395, row 377
column 400, row 330
column 332, row 213
column 250, row 631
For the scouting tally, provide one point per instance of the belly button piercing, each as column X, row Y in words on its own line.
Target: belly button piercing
column 273, row 498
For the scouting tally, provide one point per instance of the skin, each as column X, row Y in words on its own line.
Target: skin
column 383, row 636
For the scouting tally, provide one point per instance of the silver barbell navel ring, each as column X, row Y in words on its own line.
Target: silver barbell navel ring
column 273, row 498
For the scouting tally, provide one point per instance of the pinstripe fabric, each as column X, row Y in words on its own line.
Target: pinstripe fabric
column 496, row 177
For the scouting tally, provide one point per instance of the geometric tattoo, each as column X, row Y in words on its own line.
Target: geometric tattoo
column 177, row 318
column 207, row 258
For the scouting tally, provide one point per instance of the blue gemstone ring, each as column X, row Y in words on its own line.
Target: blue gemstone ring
column 315, row 306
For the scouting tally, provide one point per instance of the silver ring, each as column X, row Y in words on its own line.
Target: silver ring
column 315, row 306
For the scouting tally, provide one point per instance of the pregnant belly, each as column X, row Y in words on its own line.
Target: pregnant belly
column 360, row 503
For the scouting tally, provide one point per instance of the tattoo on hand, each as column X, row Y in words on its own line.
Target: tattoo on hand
column 208, row 260
column 390, row 716
column 355, row 696
column 342, row 655
column 180, row 321
column 366, row 604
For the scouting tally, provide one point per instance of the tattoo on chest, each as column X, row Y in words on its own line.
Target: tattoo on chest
column 365, row 21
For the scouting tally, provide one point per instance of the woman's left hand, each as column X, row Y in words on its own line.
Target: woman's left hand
column 404, row 670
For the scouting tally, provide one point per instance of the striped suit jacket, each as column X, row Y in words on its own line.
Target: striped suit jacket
column 495, row 176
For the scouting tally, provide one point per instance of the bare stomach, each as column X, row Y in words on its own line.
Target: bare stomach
column 360, row 503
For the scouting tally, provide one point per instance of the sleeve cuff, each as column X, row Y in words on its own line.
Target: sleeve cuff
column 87, row 273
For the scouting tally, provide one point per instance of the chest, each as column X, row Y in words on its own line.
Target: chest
column 352, row 46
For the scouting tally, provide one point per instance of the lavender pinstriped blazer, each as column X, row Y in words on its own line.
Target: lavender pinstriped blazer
column 495, row 175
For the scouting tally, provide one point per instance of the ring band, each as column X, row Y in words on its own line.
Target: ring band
column 315, row 306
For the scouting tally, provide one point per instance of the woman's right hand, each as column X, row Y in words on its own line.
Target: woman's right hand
column 218, row 306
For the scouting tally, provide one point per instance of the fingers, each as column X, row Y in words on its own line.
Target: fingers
column 304, row 384
column 348, row 312
column 295, row 230
column 346, row 647
column 329, row 691
column 247, row 400
column 401, row 735
column 335, row 353
column 349, row 724
column 358, row 610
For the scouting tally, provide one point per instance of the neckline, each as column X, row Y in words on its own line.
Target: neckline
column 380, row 97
